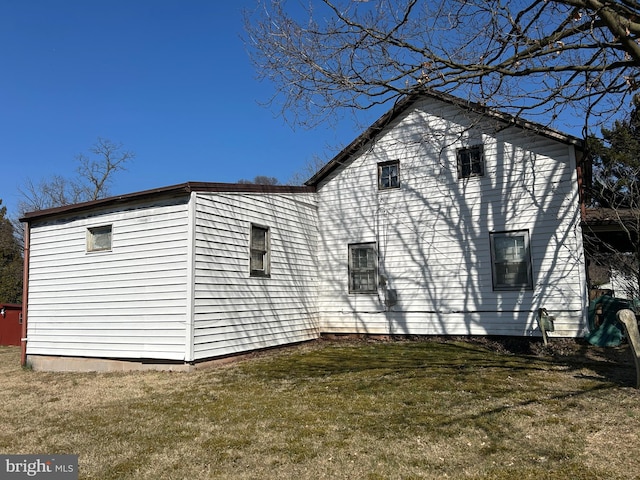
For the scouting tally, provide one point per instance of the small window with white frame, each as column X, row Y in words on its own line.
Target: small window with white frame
column 389, row 175
column 363, row 268
column 259, row 255
column 99, row 238
column 470, row 161
column 511, row 260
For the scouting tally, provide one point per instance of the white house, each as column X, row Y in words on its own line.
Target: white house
column 447, row 218
column 442, row 218
column 169, row 277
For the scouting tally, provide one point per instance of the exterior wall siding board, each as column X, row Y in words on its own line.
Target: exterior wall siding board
column 234, row 312
column 226, row 347
column 100, row 350
column 134, row 295
column 433, row 233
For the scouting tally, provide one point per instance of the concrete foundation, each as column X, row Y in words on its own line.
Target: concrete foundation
column 52, row 363
column 82, row 364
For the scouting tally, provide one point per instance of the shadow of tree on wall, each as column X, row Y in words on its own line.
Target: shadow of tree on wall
column 235, row 311
column 433, row 233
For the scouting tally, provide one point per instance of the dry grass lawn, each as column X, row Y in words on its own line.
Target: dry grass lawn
column 341, row 410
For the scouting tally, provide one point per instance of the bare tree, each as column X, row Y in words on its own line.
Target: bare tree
column 539, row 57
column 97, row 172
column 260, row 180
column 94, row 177
column 612, row 230
column 308, row 170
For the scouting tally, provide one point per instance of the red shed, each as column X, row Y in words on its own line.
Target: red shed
column 10, row 324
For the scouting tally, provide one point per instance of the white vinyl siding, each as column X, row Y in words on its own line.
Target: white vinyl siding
column 433, row 232
column 235, row 312
column 125, row 302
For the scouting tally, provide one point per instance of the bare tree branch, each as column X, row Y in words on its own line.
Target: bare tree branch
column 97, row 173
column 94, row 177
column 521, row 55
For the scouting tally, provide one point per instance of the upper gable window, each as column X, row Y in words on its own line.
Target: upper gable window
column 99, row 239
column 389, row 174
column 470, row 162
column 259, row 261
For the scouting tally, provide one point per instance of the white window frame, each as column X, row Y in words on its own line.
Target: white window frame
column 99, row 238
column 470, row 152
column 264, row 251
column 370, row 268
column 384, row 172
column 521, row 275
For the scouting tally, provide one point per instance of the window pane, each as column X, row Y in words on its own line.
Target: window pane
column 390, row 175
column 363, row 281
column 257, row 260
column 509, row 249
column 259, row 238
column 512, row 273
column 464, row 162
column 384, row 177
column 99, row 238
column 361, row 258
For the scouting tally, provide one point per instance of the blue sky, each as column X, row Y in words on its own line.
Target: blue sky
column 169, row 79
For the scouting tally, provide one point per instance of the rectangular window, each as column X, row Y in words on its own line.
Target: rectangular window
column 99, row 239
column 470, row 162
column 363, row 268
column 259, row 262
column 389, row 175
column 511, row 260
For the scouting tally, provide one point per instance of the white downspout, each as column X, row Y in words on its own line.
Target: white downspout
column 191, row 258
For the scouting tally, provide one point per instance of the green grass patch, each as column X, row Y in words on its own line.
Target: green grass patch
column 370, row 410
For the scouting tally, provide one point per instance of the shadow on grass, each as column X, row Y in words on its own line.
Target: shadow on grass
column 609, row 366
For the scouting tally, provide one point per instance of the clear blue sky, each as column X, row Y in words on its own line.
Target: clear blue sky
column 169, row 79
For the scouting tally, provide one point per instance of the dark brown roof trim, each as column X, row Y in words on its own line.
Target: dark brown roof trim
column 610, row 216
column 166, row 192
column 404, row 103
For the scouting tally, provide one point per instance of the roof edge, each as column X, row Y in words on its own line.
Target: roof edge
column 405, row 102
column 166, row 192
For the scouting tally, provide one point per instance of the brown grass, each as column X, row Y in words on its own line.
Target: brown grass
column 356, row 410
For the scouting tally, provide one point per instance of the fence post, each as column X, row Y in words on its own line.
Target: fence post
column 627, row 318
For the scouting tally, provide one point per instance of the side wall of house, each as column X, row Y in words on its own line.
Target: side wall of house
column 233, row 311
column 433, row 233
column 128, row 302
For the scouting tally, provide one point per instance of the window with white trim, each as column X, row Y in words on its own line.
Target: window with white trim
column 470, row 161
column 389, row 175
column 99, row 238
column 363, row 268
column 511, row 260
column 259, row 247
